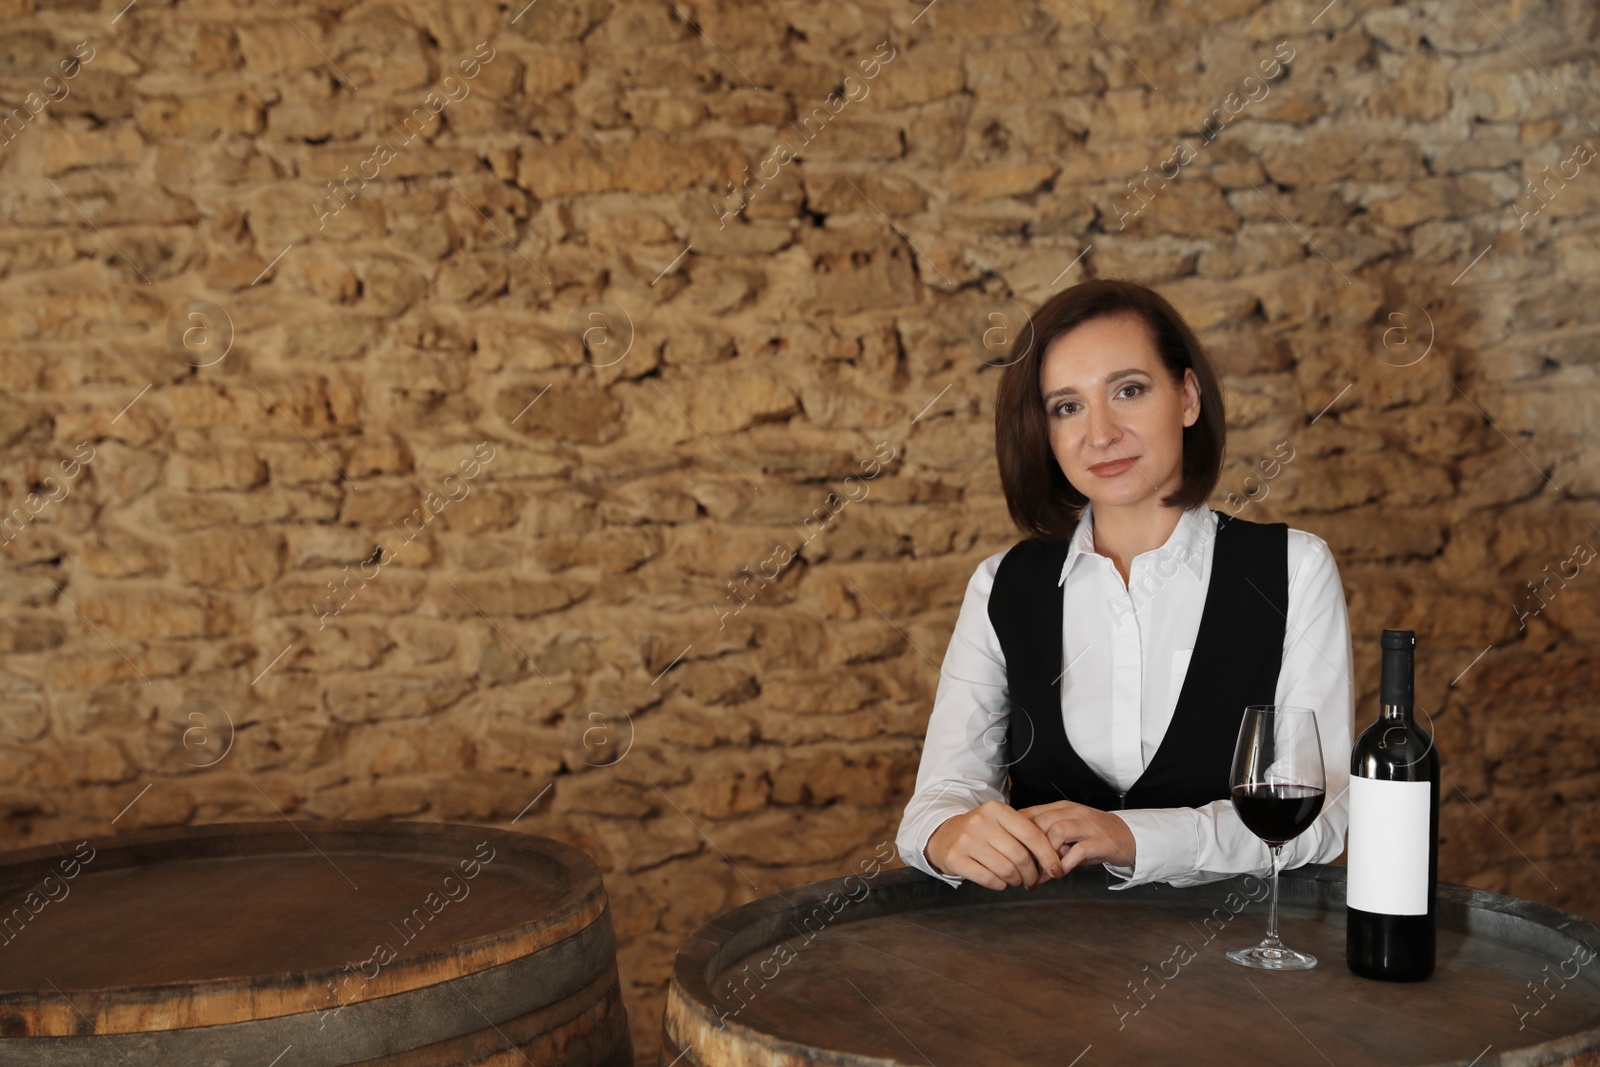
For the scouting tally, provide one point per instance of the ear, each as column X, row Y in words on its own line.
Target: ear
column 1191, row 397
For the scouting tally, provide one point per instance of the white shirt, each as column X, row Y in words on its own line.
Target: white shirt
column 1126, row 649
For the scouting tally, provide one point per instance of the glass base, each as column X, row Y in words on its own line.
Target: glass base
column 1272, row 957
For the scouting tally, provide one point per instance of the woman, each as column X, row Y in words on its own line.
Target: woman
column 1091, row 695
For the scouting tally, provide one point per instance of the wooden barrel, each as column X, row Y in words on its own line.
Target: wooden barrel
column 300, row 944
column 903, row 969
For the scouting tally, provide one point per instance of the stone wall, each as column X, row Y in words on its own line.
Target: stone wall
column 449, row 412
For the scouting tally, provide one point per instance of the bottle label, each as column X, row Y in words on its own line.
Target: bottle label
column 1387, row 861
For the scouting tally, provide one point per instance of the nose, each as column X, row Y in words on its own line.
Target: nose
column 1103, row 430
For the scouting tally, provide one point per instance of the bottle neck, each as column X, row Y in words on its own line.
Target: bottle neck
column 1398, row 713
column 1396, row 682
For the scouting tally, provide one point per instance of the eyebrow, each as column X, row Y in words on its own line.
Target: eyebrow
column 1113, row 376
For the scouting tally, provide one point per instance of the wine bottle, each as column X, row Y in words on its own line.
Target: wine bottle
column 1393, row 859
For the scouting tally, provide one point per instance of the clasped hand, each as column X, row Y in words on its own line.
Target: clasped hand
column 996, row 845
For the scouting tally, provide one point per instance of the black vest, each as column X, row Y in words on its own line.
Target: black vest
column 1237, row 653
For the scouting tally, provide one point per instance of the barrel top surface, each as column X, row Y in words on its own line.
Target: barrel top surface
column 272, row 915
column 255, row 916
column 907, row 969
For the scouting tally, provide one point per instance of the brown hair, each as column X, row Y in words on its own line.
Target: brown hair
column 1040, row 499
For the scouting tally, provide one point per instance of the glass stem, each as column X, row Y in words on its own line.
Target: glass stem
column 1272, row 915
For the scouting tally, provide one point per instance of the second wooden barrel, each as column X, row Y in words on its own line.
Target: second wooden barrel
column 308, row 944
column 904, row 969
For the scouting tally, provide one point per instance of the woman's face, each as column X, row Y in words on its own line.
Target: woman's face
column 1116, row 418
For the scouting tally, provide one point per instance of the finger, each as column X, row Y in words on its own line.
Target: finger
column 1034, row 811
column 1044, row 818
column 961, row 862
column 973, row 871
column 1097, row 833
column 1050, row 815
column 1038, row 844
column 1001, row 839
column 1078, row 853
column 1003, row 867
column 1066, row 830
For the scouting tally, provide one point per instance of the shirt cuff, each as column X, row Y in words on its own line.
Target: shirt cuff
column 1166, row 844
column 911, row 851
column 1124, row 873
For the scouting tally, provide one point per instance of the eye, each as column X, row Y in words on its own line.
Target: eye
column 1057, row 410
column 1135, row 386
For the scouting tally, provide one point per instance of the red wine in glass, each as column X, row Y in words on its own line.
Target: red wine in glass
column 1277, row 784
column 1277, row 813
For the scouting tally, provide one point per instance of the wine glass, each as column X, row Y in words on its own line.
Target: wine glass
column 1278, row 787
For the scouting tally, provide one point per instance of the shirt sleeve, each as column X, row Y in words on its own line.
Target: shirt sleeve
column 1191, row 846
column 963, row 762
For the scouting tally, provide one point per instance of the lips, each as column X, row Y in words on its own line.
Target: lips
column 1112, row 468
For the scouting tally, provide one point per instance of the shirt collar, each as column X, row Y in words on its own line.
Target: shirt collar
column 1197, row 526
